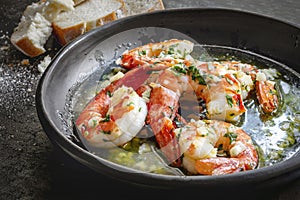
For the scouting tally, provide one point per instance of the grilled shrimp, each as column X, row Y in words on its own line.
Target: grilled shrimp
column 224, row 85
column 160, row 55
column 163, row 108
column 115, row 115
column 213, row 147
column 264, row 88
column 243, row 73
column 220, row 91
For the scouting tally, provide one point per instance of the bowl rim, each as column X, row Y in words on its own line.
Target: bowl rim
column 251, row 176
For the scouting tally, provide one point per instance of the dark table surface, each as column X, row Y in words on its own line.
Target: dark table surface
column 30, row 167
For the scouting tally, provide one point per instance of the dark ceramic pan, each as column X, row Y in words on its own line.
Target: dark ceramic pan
column 273, row 41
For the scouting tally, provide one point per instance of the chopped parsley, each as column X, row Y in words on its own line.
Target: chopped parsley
column 106, row 132
column 229, row 100
column 130, row 103
column 232, row 136
column 220, row 147
column 229, row 81
column 171, row 108
column 171, row 51
column 179, row 68
column 86, row 133
column 106, row 119
column 108, row 93
column 196, row 76
column 142, row 53
column 95, row 122
column 274, row 92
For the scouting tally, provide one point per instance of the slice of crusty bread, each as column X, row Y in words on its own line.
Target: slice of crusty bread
column 35, row 28
column 86, row 16
column 31, row 37
column 93, row 13
column 32, row 31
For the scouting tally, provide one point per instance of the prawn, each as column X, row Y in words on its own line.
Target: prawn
column 117, row 113
column 266, row 92
column 163, row 109
column 161, row 55
column 229, row 83
column 213, row 147
column 221, row 93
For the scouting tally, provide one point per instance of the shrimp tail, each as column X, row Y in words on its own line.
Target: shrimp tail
column 266, row 95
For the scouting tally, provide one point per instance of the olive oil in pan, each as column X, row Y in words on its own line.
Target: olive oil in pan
column 276, row 135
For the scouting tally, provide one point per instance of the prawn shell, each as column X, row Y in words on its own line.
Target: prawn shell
column 218, row 166
column 266, row 95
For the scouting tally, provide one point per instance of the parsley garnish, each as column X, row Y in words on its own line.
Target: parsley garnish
column 179, row 69
column 232, row 136
column 141, row 53
column 229, row 81
column 106, row 132
column 130, row 103
column 171, row 51
column 196, row 76
column 106, row 119
column 229, row 100
column 108, row 93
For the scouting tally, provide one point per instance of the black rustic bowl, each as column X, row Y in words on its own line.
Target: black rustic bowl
column 261, row 35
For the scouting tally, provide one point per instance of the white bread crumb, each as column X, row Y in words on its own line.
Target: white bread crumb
column 42, row 66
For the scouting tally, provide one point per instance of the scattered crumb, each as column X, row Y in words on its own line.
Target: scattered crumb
column 42, row 66
column 25, row 62
column 4, row 48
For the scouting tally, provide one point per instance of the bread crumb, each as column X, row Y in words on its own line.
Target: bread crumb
column 42, row 66
column 25, row 62
column 4, row 48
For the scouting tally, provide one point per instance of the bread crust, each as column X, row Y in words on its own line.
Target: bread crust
column 65, row 35
column 26, row 46
column 101, row 21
